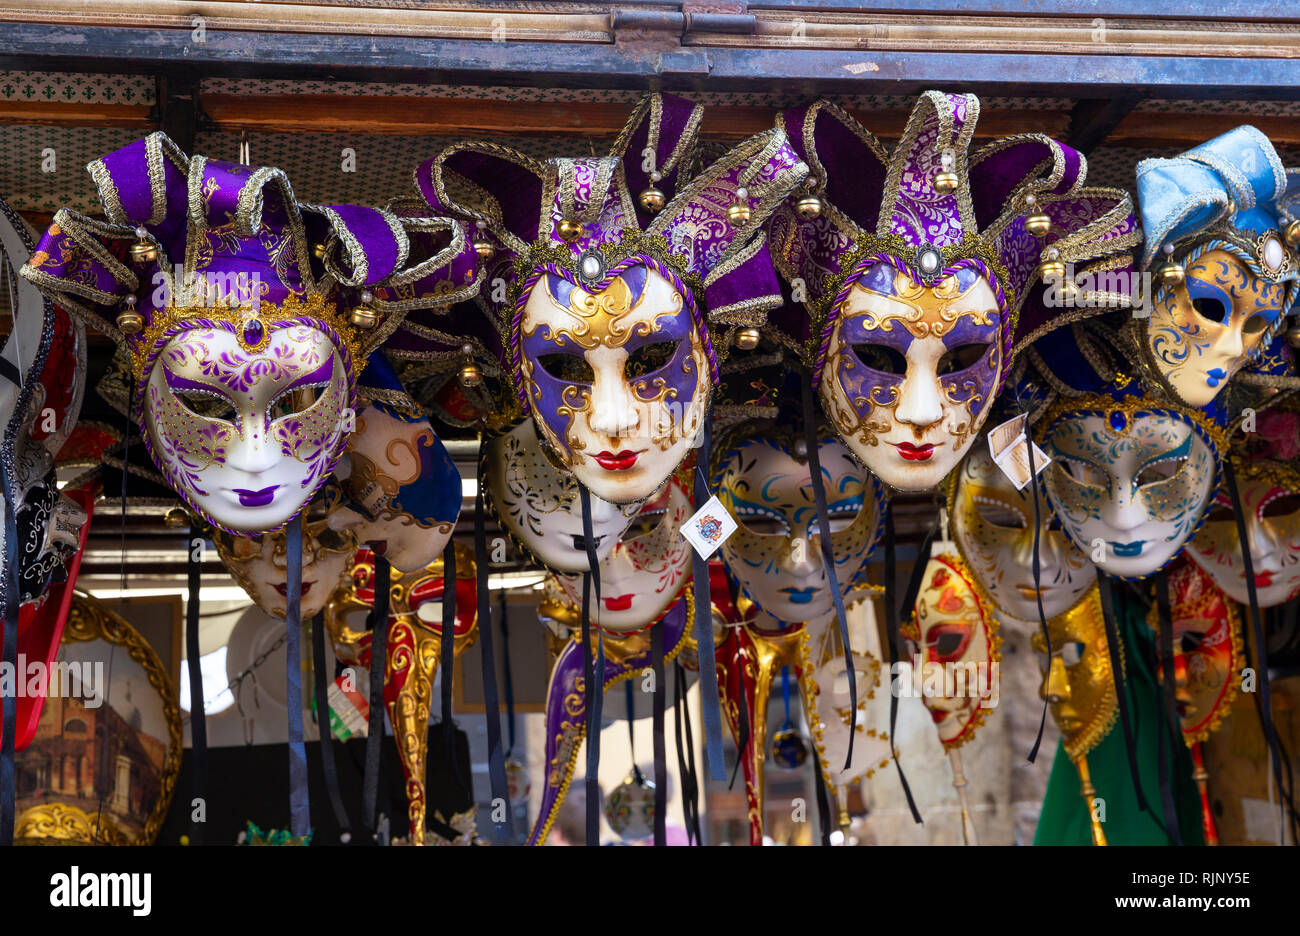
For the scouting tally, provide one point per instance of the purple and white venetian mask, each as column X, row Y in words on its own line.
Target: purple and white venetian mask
column 247, row 421
column 617, row 375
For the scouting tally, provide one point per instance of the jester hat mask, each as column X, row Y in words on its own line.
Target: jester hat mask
column 775, row 556
column 921, row 279
column 1132, row 475
column 1227, row 274
column 234, row 303
column 42, row 379
column 618, row 273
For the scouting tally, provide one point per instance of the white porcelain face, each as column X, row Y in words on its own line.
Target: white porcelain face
column 1129, row 490
column 993, row 524
column 1270, row 501
column 645, row 572
column 539, row 504
column 911, row 371
column 618, row 380
column 400, row 477
column 832, row 701
column 775, row 554
column 273, row 427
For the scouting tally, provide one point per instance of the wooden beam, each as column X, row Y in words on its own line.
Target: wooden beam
column 1092, row 121
column 1185, row 129
column 63, row 114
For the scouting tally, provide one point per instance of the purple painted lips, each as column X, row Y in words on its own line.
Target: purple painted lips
column 256, row 498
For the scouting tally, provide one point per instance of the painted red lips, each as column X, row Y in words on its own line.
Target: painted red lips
column 914, row 452
column 621, row 603
column 1264, row 580
column 283, row 588
column 620, row 461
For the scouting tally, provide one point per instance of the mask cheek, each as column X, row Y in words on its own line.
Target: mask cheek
column 1075, row 503
column 313, row 435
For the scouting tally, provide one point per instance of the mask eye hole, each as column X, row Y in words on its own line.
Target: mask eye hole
column 765, row 524
column 207, row 405
column 1191, row 640
column 1220, row 513
column 958, row 359
column 295, row 401
column 1160, row 471
column 881, row 358
column 649, row 358
column 571, row 368
column 1281, row 506
column 1208, row 307
column 1072, row 653
column 1082, row 472
column 643, row 524
column 1255, row 325
column 1000, row 514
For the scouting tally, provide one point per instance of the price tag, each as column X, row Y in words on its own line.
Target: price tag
column 1010, row 450
column 709, row 527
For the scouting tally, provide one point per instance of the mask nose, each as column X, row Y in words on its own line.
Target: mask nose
column 803, row 558
column 254, row 453
column 1230, row 344
column 1263, row 542
column 1056, row 686
column 613, row 410
column 919, row 405
column 1124, row 511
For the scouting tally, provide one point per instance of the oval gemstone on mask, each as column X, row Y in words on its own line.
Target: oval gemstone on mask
column 253, row 332
column 1273, row 254
column 590, row 268
column 1118, row 421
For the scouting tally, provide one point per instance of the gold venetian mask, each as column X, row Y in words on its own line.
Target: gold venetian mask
column 1078, row 682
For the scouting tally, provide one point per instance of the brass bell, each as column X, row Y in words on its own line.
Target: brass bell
column 176, row 518
column 1038, row 224
column 570, row 231
column 808, row 207
column 652, row 200
column 484, row 248
column 1170, row 273
column 747, row 339
column 1292, row 234
column 739, row 211
column 946, row 182
column 130, row 322
column 318, row 251
column 1050, row 270
column 363, row 316
column 471, row 375
column 143, row 250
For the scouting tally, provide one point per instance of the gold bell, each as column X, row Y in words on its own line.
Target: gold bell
column 747, row 339
column 130, row 322
column 1292, row 234
column 362, row 316
column 1038, row 224
column 652, row 200
column 570, row 231
column 484, row 248
column 176, row 518
column 946, row 182
column 143, row 250
column 1170, row 273
column 1051, row 269
column 739, row 212
column 471, row 375
column 318, row 251
column 808, row 207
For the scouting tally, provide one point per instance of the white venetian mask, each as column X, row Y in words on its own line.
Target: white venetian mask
column 1129, row 489
column 247, row 431
column 538, row 503
column 646, row 571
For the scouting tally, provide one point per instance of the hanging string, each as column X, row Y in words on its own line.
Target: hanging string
column 1038, row 585
column 828, row 554
column 629, row 707
column 299, row 799
column 686, row 755
column 709, row 703
column 320, row 688
column 1105, row 592
column 823, row 799
column 1170, row 733
column 785, row 693
column 375, row 721
column 891, row 626
column 198, row 709
column 491, row 706
column 657, row 723
column 510, row 682
column 596, row 682
column 448, row 647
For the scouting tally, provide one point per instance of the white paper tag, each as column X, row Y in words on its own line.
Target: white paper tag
column 1010, row 451
column 709, row 527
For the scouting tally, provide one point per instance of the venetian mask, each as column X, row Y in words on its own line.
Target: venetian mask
column 1208, row 653
column 1130, row 486
column 617, row 376
column 1202, row 331
column 400, row 477
column 1078, row 682
column 1269, row 494
column 775, row 554
column 956, row 640
column 259, row 562
column 993, row 525
column 247, row 425
column 828, row 690
column 539, row 504
column 911, row 371
column 646, row 571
